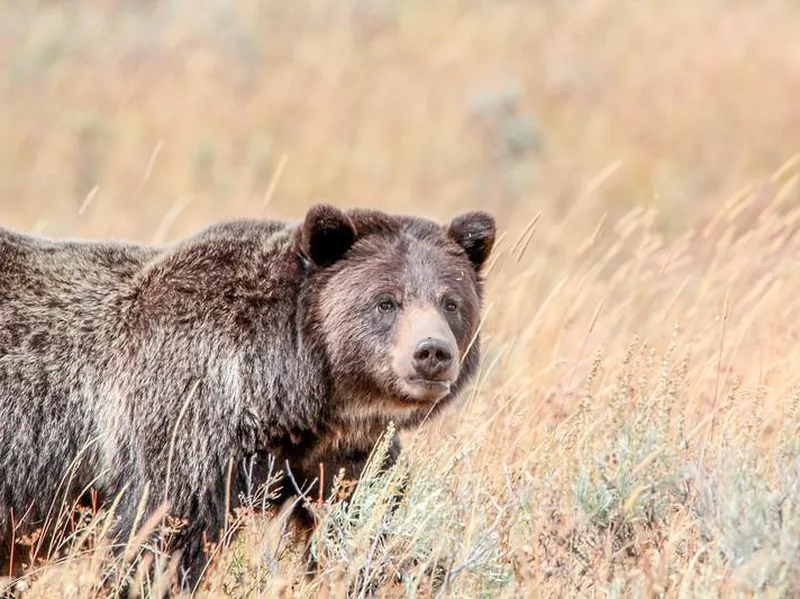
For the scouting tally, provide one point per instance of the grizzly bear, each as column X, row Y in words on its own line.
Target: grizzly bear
column 163, row 366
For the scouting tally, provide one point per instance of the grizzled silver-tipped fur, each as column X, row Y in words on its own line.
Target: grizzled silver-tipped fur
column 251, row 338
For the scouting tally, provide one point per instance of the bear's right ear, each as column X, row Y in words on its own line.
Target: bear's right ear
column 325, row 235
column 475, row 233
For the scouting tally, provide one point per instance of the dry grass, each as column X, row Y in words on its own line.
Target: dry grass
column 634, row 428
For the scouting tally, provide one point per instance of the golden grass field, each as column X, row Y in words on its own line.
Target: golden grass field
column 634, row 429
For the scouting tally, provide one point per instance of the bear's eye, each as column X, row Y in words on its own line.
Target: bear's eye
column 450, row 305
column 387, row 304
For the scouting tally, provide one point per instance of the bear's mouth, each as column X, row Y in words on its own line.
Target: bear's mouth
column 428, row 389
column 430, row 383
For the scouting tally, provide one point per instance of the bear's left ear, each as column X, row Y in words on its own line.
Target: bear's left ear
column 475, row 232
column 326, row 234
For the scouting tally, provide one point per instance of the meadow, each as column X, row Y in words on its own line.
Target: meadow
column 634, row 428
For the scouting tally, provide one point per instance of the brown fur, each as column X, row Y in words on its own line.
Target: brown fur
column 266, row 338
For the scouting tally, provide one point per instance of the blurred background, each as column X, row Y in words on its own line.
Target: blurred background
column 657, row 143
column 147, row 119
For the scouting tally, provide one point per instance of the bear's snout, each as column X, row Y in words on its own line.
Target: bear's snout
column 432, row 358
column 425, row 356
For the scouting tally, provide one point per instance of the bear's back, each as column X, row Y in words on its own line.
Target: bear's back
column 40, row 276
column 80, row 281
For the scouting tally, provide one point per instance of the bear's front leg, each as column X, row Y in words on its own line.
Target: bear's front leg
column 316, row 482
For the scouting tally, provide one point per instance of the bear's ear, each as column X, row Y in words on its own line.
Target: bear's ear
column 326, row 234
column 475, row 232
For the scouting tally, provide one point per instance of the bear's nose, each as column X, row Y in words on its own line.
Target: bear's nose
column 432, row 357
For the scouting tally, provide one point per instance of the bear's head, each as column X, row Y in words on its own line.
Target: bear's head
column 396, row 304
